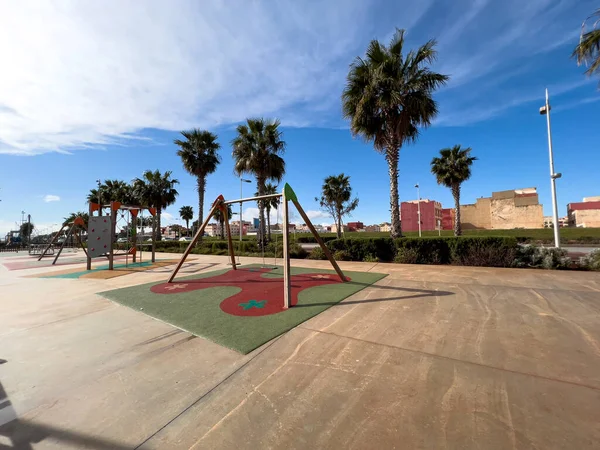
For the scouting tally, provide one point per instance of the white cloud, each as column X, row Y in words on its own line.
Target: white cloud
column 84, row 73
column 51, row 198
column 167, row 216
column 317, row 215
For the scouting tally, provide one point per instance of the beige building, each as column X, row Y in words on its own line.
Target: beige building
column 549, row 222
column 334, row 228
column 385, row 227
column 585, row 214
column 504, row 210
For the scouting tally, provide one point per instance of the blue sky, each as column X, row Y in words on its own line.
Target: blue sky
column 101, row 90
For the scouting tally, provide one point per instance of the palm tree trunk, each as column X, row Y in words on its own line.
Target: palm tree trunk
column 157, row 232
column 201, row 181
column 222, row 229
column 187, row 225
column 338, row 221
column 392, row 156
column 261, row 207
column 456, row 195
column 269, row 222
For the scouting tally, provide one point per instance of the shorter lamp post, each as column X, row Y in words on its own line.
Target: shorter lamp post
column 242, row 181
column 419, row 206
column 545, row 110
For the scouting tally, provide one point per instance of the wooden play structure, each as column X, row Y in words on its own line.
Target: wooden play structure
column 102, row 232
column 74, row 228
column 287, row 195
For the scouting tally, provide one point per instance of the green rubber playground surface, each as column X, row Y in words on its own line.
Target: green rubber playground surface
column 215, row 306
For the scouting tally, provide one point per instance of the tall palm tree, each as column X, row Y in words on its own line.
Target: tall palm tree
column 270, row 203
column 257, row 150
column 336, row 194
column 187, row 214
column 451, row 169
column 199, row 153
column 588, row 50
column 388, row 96
column 156, row 190
column 221, row 219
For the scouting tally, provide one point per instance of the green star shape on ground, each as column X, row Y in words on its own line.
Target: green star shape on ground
column 253, row 304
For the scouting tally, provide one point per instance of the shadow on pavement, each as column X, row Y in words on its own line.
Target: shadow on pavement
column 416, row 293
column 23, row 433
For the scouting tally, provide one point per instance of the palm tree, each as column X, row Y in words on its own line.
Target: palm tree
column 156, row 190
column 269, row 203
column 256, row 151
column 335, row 199
column 71, row 218
column 116, row 191
column 388, row 96
column 451, row 169
column 187, row 214
column 200, row 158
column 221, row 219
column 113, row 190
column 588, row 50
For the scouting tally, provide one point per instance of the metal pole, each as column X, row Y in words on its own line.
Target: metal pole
column 419, row 206
column 553, row 176
column 241, row 196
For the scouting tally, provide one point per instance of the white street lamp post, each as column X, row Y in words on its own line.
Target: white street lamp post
column 545, row 110
column 242, row 181
column 419, row 206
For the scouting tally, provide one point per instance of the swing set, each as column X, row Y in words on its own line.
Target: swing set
column 75, row 228
column 286, row 196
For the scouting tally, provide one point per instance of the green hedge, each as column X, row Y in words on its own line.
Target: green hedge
column 359, row 249
column 468, row 251
column 310, row 239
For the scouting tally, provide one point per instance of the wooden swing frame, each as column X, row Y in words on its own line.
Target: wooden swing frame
column 287, row 195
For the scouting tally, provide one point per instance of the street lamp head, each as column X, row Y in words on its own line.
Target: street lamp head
column 556, row 176
column 417, row 185
column 245, row 181
column 543, row 110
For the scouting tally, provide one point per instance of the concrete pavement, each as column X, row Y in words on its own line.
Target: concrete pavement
column 430, row 357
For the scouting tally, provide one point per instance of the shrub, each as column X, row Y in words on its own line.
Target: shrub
column 310, row 239
column 341, row 255
column 551, row 258
column 485, row 252
column 357, row 249
column 423, row 250
column 317, row 253
column 371, row 258
column 542, row 257
column 592, row 261
column 406, row 255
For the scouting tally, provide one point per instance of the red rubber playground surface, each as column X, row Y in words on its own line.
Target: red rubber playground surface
column 259, row 296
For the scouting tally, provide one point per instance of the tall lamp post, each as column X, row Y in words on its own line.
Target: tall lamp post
column 419, row 206
column 545, row 110
column 242, row 181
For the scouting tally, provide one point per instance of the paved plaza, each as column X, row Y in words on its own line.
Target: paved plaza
column 428, row 357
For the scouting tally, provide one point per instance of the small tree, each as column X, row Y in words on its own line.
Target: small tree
column 187, row 214
column 451, row 169
column 25, row 231
column 335, row 199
